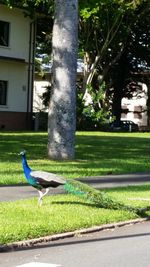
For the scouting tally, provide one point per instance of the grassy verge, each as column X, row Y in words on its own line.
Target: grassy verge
column 23, row 219
column 97, row 153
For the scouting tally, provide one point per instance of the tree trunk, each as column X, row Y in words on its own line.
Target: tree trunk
column 119, row 85
column 147, row 82
column 62, row 108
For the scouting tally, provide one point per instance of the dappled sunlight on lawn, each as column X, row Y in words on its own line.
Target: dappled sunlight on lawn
column 97, row 153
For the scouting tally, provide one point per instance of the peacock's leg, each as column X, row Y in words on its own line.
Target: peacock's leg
column 40, row 197
column 46, row 191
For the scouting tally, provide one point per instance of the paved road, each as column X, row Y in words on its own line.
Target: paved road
column 126, row 246
column 10, row 193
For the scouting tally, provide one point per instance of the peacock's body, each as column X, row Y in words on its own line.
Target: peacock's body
column 44, row 180
column 40, row 179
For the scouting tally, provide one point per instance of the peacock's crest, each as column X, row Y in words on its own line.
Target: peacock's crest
column 22, row 153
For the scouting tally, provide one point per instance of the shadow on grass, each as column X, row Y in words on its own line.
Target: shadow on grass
column 87, row 146
column 93, row 152
column 92, row 205
column 12, row 143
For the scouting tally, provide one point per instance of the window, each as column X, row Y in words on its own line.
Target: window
column 124, row 111
column 3, row 92
column 4, row 33
column 137, row 115
column 123, row 115
column 138, row 112
column 138, row 108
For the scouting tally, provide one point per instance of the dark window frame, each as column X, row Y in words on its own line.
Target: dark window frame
column 4, row 33
column 3, row 92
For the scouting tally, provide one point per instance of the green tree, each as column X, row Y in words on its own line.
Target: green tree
column 134, row 59
column 112, row 26
column 120, row 35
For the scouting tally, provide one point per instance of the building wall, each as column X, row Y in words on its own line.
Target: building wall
column 17, row 69
column 39, row 89
column 16, row 75
column 15, row 121
column 40, row 111
column 19, row 33
column 136, row 107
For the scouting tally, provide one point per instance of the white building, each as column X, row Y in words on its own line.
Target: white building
column 16, row 69
column 135, row 109
column 42, row 82
column 40, row 85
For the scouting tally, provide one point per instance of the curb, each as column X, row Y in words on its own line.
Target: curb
column 42, row 240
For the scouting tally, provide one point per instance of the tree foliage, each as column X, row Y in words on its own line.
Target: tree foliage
column 114, row 38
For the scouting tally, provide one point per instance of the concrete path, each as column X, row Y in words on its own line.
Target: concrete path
column 10, row 193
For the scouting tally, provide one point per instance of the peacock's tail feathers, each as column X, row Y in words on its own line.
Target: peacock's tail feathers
column 73, row 188
column 82, row 189
column 99, row 198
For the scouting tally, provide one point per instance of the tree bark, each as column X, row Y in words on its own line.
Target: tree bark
column 119, row 85
column 147, row 82
column 62, row 108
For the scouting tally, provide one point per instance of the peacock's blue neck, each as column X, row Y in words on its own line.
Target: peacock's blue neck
column 25, row 166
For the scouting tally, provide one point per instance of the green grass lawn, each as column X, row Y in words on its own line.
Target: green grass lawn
column 23, row 219
column 96, row 154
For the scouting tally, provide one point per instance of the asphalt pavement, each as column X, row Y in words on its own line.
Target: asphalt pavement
column 126, row 246
column 14, row 192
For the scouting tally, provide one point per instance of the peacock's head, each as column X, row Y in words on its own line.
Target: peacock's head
column 22, row 153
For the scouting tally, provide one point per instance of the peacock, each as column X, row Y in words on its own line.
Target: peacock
column 42, row 180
